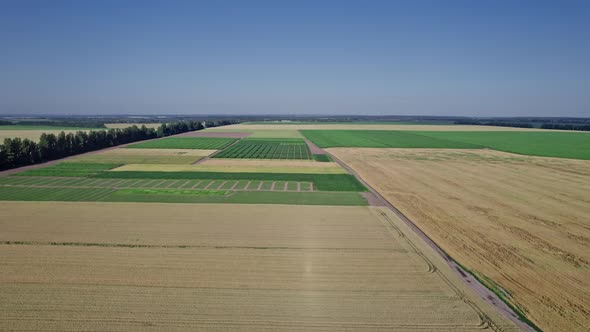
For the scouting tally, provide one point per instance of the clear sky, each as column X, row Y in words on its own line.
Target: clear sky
column 475, row 58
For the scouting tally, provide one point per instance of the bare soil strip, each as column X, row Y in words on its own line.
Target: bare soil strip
column 314, row 148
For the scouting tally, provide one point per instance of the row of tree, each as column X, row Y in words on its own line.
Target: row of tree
column 16, row 152
column 495, row 123
column 565, row 126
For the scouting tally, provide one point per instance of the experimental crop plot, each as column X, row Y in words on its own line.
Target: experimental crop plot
column 267, row 149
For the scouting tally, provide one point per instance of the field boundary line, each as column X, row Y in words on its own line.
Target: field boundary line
column 464, row 275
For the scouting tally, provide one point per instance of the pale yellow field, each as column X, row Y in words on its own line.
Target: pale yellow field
column 33, row 135
column 125, row 125
column 270, row 267
column 236, row 166
column 521, row 221
column 293, row 127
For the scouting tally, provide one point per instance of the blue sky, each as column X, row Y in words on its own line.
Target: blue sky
column 474, row 58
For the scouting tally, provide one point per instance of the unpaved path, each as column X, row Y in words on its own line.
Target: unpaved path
column 487, row 295
column 314, row 148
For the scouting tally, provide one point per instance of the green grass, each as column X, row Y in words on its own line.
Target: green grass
column 575, row 145
column 380, row 139
column 322, row 182
column 206, row 143
column 136, row 159
column 69, row 169
column 53, row 194
column 261, row 148
column 244, row 197
column 178, row 196
column 322, row 157
column 173, row 192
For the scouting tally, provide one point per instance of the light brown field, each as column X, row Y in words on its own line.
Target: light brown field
column 521, row 221
column 75, row 266
column 278, row 128
column 33, row 135
column 126, row 125
column 239, row 165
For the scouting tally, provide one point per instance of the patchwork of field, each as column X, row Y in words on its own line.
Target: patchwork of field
column 252, row 148
column 202, row 143
column 145, row 156
column 126, row 125
column 519, row 223
column 318, row 168
column 575, row 145
column 275, row 267
column 359, row 126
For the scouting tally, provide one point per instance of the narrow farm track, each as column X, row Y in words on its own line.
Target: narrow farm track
column 485, row 294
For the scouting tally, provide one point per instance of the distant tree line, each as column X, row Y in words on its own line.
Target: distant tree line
column 565, row 126
column 77, row 124
column 17, row 152
column 495, row 123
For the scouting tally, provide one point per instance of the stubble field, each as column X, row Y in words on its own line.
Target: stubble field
column 517, row 220
column 274, row 268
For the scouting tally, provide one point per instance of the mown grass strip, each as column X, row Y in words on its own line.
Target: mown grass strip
column 322, row 182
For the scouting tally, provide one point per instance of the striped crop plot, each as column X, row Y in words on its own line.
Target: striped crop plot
column 252, row 148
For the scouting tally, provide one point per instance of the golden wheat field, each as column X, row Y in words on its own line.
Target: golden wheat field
column 520, row 221
column 135, row 266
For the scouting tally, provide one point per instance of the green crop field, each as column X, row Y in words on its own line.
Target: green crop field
column 69, row 169
column 205, row 143
column 322, row 182
column 137, row 159
column 53, row 194
column 253, row 148
column 379, row 139
column 178, row 196
column 243, row 197
column 574, row 145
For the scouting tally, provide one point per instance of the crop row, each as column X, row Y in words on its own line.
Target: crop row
column 253, row 149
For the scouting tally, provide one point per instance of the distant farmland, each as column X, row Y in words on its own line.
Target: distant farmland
column 575, row 145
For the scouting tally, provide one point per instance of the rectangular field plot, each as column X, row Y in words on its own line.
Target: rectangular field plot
column 69, row 169
column 145, row 156
column 294, row 268
column 267, row 149
column 380, row 139
column 206, row 143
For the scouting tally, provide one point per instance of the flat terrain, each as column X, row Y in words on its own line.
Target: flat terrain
column 520, row 223
column 145, row 156
column 273, row 267
column 355, row 126
column 267, row 148
column 126, row 125
column 380, row 139
column 319, row 168
column 202, row 143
